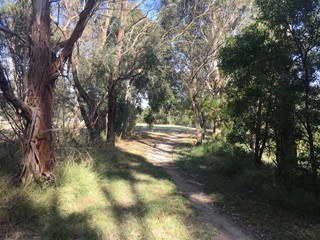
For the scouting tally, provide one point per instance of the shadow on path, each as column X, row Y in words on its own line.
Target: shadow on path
column 207, row 210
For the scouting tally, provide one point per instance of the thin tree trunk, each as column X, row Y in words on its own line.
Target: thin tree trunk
column 105, row 28
column 285, row 141
column 197, row 125
column 257, row 149
column 313, row 160
column 113, row 85
column 90, row 117
column 112, row 101
column 76, row 111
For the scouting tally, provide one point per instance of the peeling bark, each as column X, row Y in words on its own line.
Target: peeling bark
column 37, row 110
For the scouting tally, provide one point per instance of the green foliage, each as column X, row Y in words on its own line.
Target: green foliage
column 296, row 23
column 212, row 109
column 254, row 62
column 149, row 118
column 235, row 159
column 98, row 195
column 261, row 93
column 126, row 116
column 251, row 191
column 228, row 160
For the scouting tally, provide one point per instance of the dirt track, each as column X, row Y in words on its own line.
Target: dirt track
column 159, row 151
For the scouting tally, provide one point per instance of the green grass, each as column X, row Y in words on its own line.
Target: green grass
column 252, row 193
column 98, row 194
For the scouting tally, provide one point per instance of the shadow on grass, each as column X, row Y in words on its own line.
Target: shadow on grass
column 158, row 218
column 27, row 217
column 73, row 226
column 250, row 193
column 10, row 159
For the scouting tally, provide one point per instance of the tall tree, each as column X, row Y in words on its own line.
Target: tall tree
column 198, row 28
column 36, row 106
column 113, row 87
column 256, row 64
column 89, row 95
column 133, row 57
column 298, row 22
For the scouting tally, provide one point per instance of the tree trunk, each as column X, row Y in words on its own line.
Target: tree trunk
column 38, row 157
column 257, row 140
column 90, row 116
column 285, row 141
column 76, row 112
column 37, row 150
column 197, row 125
column 203, row 123
column 113, row 85
column 112, row 102
column 104, row 31
column 308, row 126
column 37, row 109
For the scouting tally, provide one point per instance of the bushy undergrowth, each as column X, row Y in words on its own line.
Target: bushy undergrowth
column 252, row 191
column 219, row 158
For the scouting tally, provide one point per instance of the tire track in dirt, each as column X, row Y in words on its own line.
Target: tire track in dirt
column 161, row 154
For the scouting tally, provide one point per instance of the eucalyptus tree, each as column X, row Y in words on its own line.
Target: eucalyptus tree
column 197, row 30
column 88, row 92
column 117, row 59
column 35, row 106
column 130, row 47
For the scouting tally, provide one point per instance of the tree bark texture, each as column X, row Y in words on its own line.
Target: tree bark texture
column 37, row 149
column 37, row 107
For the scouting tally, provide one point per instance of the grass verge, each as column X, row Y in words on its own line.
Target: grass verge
column 98, row 194
column 250, row 193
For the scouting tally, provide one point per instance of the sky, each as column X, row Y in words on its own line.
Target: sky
column 150, row 7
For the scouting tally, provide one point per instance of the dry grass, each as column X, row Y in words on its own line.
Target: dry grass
column 98, row 194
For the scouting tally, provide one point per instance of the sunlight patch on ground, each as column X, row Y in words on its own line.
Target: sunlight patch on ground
column 121, row 193
column 106, row 195
column 200, row 198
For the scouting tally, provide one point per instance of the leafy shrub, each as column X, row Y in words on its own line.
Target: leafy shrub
column 233, row 160
column 230, row 167
column 150, row 119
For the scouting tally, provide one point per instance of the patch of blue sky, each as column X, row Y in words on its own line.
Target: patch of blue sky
column 149, row 7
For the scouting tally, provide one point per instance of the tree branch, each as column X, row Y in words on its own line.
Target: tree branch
column 77, row 83
column 8, row 94
column 7, row 30
column 76, row 34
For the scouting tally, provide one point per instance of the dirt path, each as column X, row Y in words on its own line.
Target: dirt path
column 159, row 151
